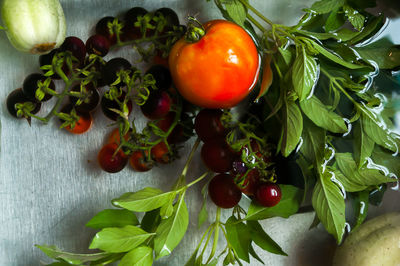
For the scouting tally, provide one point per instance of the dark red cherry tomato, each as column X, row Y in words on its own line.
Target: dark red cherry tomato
column 18, row 96
column 268, row 194
column 30, row 86
column 111, row 159
column 157, row 105
column 208, row 124
column 217, row 155
column 223, row 191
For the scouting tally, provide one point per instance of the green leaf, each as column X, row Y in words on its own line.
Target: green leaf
column 115, row 240
column 140, row 256
column 254, row 254
column 370, row 29
column 322, row 116
column 326, row 6
column 363, row 145
column 238, row 236
column 289, row 204
column 143, row 200
column 237, row 11
column 304, row 74
column 171, row 230
column 76, row 259
column 203, row 214
column 112, row 218
column 314, row 139
column 262, row 239
column 334, row 21
column 356, row 19
column 334, row 58
column 382, row 157
column 292, row 128
column 341, row 35
column 328, row 202
column 167, row 209
column 378, row 130
column 356, row 179
column 360, row 206
column 386, row 57
column 151, row 220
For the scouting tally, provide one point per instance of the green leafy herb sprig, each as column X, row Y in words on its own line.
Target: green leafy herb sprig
column 324, row 101
column 322, row 109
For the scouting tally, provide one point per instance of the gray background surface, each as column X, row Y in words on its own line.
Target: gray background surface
column 51, row 185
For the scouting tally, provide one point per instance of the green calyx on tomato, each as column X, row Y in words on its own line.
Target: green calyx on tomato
column 217, row 71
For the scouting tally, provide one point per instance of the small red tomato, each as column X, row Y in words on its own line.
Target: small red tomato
column 250, row 183
column 139, row 162
column 116, row 138
column 208, row 125
column 160, row 153
column 217, row 155
column 223, row 191
column 83, row 124
column 217, row 71
column 268, row 194
column 110, row 159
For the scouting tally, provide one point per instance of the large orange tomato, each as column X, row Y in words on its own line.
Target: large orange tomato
column 217, row 71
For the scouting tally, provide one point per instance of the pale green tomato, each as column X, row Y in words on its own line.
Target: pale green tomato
column 34, row 26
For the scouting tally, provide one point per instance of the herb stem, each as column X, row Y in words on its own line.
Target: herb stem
column 255, row 11
column 216, row 235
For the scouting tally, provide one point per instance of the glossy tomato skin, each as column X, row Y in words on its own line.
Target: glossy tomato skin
column 223, row 191
column 110, row 160
column 219, row 70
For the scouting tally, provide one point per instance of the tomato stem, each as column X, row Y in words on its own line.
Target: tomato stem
column 195, row 31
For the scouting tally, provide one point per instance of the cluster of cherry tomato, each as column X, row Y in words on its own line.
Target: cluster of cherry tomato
column 170, row 116
column 238, row 171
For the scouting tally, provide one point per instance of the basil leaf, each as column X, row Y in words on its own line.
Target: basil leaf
column 292, row 128
column 117, row 240
column 340, row 35
column 354, row 179
column 314, row 139
column 360, row 206
column 386, row 57
column 320, row 114
column 355, row 18
column 326, row 6
column 262, row 239
column 76, row 259
column 328, row 202
column 304, row 74
column 334, row 58
column 370, row 29
column 377, row 129
column 363, row 145
column 335, row 20
column 288, row 205
column 171, row 230
column 387, row 159
column 253, row 253
column 140, row 256
column 237, row 11
column 112, row 218
column 168, row 208
column 143, row 200
column 151, row 220
column 203, row 214
column 238, row 236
